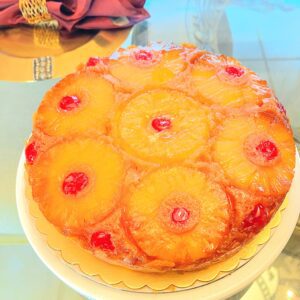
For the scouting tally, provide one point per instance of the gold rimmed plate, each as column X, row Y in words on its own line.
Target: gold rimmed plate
column 30, row 53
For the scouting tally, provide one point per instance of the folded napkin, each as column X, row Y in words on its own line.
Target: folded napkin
column 81, row 14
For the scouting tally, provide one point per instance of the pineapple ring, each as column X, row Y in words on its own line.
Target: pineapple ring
column 186, row 132
column 94, row 99
column 100, row 164
column 269, row 176
column 224, row 83
column 205, row 200
column 140, row 68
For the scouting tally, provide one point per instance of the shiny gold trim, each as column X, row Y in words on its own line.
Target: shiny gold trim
column 46, row 35
column 34, row 11
column 42, row 68
column 19, row 52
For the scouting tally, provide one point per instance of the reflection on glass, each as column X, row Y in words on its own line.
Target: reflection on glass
column 201, row 22
column 28, row 41
column 207, row 25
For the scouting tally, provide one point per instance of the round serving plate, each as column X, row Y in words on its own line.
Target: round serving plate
column 213, row 290
column 45, row 53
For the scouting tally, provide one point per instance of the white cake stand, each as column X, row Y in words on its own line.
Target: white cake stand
column 219, row 289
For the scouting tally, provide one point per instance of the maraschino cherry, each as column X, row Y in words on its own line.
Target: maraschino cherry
column 180, row 215
column 267, row 149
column 74, row 183
column 93, row 61
column 257, row 218
column 161, row 123
column 31, row 152
column 234, row 71
column 143, row 55
column 102, row 240
column 68, row 103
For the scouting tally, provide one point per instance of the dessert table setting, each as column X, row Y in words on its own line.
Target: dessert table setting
column 149, row 149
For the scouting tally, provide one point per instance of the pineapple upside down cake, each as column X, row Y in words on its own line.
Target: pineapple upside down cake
column 160, row 159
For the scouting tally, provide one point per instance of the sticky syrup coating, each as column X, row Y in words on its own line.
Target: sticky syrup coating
column 160, row 159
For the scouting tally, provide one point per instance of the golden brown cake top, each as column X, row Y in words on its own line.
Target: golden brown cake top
column 158, row 159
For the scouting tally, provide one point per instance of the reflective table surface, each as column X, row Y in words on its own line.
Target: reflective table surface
column 263, row 35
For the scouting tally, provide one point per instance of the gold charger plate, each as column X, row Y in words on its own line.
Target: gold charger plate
column 30, row 53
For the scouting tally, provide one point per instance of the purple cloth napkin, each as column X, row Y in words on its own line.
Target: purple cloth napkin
column 82, row 14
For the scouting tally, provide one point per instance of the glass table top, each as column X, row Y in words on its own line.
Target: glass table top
column 263, row 35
